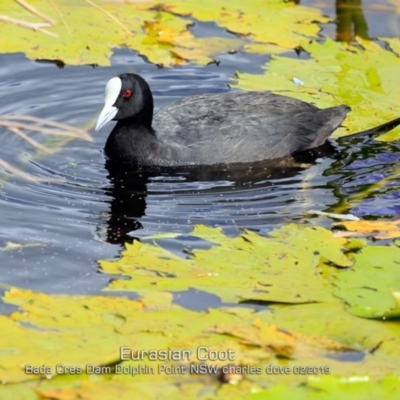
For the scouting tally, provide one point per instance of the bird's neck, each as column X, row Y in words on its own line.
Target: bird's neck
column 138, row 122
column 140, row 145
column 130, row 143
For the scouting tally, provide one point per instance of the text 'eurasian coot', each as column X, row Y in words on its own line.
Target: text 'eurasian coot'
column 210, row 129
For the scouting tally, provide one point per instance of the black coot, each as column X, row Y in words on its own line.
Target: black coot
column 234, row 127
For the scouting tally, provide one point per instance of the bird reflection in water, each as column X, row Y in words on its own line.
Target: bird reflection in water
column 129, row 187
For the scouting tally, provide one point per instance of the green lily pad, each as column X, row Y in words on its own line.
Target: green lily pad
column 282, row 268
column 332, row 388
column 372, row 287
column 362, row 77
column 85, row 32
column 88, row 332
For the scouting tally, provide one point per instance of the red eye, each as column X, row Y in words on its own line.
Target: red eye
column 127, row 94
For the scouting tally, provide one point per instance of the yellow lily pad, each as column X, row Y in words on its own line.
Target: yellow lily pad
column 377, row 229
column 249, row 267
column 364, row 77
column 85, row 32
column 274, row 21
column 81, row 331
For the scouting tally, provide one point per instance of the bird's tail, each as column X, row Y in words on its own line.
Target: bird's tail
column 378, row 130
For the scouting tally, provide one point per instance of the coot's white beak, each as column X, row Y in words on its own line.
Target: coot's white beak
column 109, row 111
column 106, row 115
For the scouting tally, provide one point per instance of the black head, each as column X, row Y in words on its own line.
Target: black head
column 127, row 97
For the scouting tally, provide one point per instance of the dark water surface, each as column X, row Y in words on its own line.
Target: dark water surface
column 90, row 213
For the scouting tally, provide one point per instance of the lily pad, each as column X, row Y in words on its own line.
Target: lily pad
column 332, row 388
column 71, row 331
column 362, row 77
column 86, row 32
column 376, row 229
column 282, row 268
column 372, row 287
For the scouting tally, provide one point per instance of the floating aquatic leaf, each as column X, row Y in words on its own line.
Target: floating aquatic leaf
column 332, row 388
column 371, row 287
column 377, row 229
column 273, row 21
column 363, row 77
column 292, row 265
column 282, row 268
column 61, row 32
column 86, row 332
column 284, row 343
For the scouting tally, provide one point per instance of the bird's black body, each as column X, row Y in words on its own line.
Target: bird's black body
column 207, row 129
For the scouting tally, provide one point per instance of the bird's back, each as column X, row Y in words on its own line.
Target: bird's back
column 245, row 126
